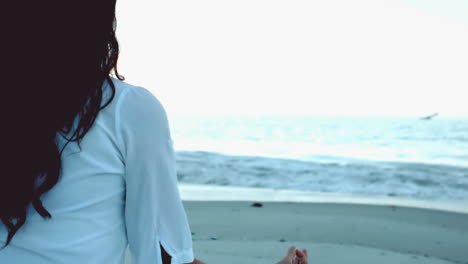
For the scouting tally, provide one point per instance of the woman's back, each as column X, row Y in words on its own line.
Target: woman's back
column 120, row 188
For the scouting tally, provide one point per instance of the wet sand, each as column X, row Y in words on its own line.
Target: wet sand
column 346, row 231
column 236, row 232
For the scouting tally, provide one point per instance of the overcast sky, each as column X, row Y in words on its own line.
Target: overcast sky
column 328, row 57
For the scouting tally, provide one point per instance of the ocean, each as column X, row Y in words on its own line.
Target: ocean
column 410, row 157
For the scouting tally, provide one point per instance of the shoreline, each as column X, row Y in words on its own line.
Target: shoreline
column 201, row 192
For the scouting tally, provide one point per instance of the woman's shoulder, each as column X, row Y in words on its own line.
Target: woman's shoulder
column 125, row 95
column 121, row 87
column 135, row 103
column 131, row 92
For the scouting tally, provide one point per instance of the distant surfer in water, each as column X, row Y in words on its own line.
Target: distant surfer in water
column 429, row 117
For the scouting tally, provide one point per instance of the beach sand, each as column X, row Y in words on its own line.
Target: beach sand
column 334, row 228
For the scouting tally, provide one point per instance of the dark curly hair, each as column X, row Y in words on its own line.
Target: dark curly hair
column 57, row 55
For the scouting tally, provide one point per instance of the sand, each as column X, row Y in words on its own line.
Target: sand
column 335, row 228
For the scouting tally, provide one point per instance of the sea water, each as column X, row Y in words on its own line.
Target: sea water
column 410, row 157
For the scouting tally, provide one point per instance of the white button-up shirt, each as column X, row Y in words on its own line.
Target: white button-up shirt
column 120, row 190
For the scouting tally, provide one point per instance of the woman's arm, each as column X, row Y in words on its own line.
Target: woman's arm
column 154, row 212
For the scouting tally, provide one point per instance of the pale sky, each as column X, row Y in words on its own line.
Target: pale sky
column 295, row 57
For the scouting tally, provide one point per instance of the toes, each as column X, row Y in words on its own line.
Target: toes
column 291, row 253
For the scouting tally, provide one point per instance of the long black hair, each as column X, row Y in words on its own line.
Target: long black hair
column 57, row 56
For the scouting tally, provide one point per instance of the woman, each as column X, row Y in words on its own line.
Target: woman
column 89, row 165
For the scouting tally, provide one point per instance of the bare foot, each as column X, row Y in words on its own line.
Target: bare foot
column 294, row 256
column 301, row 257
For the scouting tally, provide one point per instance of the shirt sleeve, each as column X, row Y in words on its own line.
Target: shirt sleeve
column 154, row 213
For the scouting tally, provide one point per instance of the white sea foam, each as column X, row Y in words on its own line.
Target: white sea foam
column 382, row 178
column 396, row 157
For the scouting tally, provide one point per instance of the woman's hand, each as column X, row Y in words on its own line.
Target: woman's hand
column 196, row 261
column 295, row 256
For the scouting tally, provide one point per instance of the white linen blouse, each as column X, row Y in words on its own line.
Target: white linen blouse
column 120, row 190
